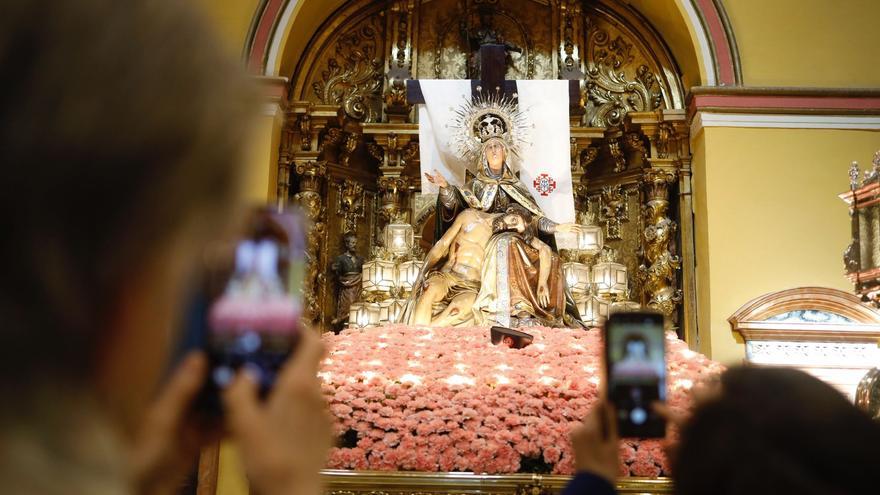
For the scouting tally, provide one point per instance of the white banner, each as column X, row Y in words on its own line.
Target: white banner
column 442, row 98
column 545, row 163
column 545, row 158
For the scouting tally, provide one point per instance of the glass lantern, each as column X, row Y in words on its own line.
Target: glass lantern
column 577, row 277
column 590, row 239
column 398, row 238
column 378, row 276
column 625, row 306
column 593, row 310
column 407, row 272
column 396, row 309
column 609, row 277
column 374, row 311
column 357, row 316
column 386, row 308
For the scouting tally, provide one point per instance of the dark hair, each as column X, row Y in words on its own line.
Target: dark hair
column 775, row 430
column 119, row 123
column 520, row 211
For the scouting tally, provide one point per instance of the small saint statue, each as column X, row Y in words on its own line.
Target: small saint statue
column 347, row 271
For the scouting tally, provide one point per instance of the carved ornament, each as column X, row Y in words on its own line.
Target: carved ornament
column 351, row 204
column 660, row 268
column 353, row 76
column 613, row 209
column 612, row 93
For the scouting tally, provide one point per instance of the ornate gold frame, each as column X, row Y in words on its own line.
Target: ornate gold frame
column 342, row 482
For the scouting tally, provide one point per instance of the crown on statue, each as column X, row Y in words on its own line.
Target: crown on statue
column 485, row 117
column 490, row 126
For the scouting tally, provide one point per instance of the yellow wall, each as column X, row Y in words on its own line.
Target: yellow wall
column 698, row 150
column 262, row 159
column 768, row 217
column 231, row 18
column 678, row 33
column 821, row 43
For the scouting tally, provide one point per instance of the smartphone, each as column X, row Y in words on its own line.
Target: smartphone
column 248, row 311
column 635, row 370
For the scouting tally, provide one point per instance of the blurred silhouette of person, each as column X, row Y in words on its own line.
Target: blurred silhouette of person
column 122, row 125
column 764, row 431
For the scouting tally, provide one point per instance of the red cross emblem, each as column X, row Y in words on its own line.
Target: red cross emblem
column 544, row 184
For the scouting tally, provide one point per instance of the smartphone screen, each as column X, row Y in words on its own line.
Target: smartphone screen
column 635, row 362
column 252, row 301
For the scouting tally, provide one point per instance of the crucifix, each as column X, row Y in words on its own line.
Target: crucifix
column 492, row 68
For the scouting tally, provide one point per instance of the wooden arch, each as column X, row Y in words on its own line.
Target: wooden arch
column 713, row 39
column 751, row 320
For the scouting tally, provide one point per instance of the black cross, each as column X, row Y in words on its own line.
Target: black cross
column 493, row 65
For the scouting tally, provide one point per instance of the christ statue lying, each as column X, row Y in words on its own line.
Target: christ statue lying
column 458, row 265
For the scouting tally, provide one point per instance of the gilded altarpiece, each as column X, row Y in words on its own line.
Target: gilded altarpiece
column 350, row 147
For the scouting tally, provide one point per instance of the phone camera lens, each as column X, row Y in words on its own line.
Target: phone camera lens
column 249, row 342
column 638, row 416
column 223, row 376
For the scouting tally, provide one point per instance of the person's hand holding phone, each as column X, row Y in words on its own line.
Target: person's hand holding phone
column 284, row 440
column 170, row 436
column 595, row 443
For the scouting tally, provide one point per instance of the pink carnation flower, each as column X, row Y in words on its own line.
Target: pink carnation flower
column 455, row 402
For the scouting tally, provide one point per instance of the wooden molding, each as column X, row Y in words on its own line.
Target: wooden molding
column 209, row 468
column 817, row 92
column 818, row 332
column 445, row 483
column 784, row 101
column 750, row 320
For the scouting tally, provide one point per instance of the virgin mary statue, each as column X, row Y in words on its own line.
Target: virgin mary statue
column 487, row 135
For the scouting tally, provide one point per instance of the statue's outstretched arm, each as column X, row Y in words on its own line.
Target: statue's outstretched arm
column 562, row 228
column 547, row 226
column 447, row 197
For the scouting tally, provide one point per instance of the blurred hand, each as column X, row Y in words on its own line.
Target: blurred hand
column 672, row 417
column 543, row 295
column 700, row 394
column 284, row 440
column 676, row 419
column 436, row 179
column 595, row 443
column 168, row 443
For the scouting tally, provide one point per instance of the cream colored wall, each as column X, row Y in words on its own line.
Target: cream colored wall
column 814, row 43
column 698, row 187
column 768, row 217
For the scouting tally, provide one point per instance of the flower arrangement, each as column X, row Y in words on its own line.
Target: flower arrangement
column 446, row 399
